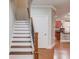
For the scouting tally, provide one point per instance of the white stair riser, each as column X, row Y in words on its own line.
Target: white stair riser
column 23, row 35
column 22, row 21
column 21, row 57
column 21, row 49
column 21, row 32
column 21, row 25
column 21, row 28
column 21, row 44
column 20, row 39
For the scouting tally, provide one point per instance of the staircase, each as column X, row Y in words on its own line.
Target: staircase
column 21, row 44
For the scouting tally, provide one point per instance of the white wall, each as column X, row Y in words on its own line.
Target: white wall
column 42, row 23
column 21, row 9
column 52, row 28
column 11, row 20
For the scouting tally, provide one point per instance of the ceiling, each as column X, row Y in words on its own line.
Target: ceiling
column 62, row 6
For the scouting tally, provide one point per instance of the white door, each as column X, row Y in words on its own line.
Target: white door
column 42, row 28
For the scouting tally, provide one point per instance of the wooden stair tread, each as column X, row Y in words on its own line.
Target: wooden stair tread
column 20, row 53
column 21, row 37
column 21, row 30
column 21, row 33
column 21, row 46
column 21, row 41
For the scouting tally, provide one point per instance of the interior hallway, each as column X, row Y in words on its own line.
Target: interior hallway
column 43, row 13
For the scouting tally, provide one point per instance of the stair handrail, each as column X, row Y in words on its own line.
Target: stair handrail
column 32, row 29
column 28, row 12
column 35, row 39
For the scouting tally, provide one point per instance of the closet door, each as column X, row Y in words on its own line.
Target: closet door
column 42, row 28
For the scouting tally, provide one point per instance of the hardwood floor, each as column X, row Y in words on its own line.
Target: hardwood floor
column 60, row 51
column 46, row 53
